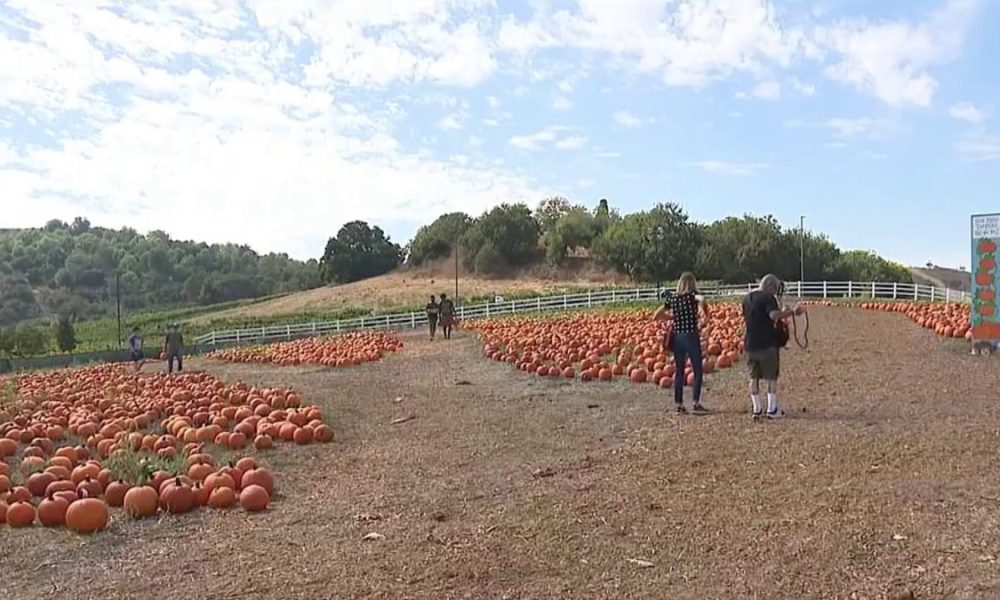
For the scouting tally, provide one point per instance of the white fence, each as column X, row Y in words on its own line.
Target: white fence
column 809, row 289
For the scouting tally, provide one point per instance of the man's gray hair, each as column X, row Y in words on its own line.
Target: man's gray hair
column 771, row 284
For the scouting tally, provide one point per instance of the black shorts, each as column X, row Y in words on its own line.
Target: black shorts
column 137, row 355
column 764, row 364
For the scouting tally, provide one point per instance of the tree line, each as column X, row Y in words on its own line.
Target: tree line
column 654, row 245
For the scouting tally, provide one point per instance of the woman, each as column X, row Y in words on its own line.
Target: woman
column 447, row 311
column 683, row 306
column 432, row 315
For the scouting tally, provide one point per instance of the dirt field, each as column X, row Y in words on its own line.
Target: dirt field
column 503, row 486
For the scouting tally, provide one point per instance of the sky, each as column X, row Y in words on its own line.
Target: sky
column 273, row 122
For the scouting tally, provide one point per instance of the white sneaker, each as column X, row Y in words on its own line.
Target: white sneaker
column 776, row 414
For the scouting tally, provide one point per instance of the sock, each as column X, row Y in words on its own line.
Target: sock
column 772, row 403
column 755, row 398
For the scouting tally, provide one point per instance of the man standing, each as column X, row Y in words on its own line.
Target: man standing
column 763, row 341
column 173, row 347
column 135, row 349
column 447, row 310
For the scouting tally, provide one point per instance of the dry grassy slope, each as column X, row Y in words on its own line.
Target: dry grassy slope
column 412, row 287
column 942, row 277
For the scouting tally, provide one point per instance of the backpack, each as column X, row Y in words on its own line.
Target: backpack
column 781, row 334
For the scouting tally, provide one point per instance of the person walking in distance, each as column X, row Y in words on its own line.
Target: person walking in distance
column 173, row 347
column 135, row 349
column 763, row 341
column 447, row 311
column 684, row 340
column 432, row 316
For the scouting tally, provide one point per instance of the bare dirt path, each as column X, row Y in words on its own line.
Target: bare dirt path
column 505, row 486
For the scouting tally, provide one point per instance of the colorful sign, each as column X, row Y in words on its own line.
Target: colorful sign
column 985, row 277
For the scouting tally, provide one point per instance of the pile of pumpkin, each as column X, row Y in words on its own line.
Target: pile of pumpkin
column 351, row 349
column 78, row 493
column 607, row 345
column 60, row 427
column 947, row 319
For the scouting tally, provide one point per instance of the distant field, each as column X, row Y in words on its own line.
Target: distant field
column 398, row 291
column 943, row 277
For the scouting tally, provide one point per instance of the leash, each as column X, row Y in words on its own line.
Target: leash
column 805, row 332
column 804, row 341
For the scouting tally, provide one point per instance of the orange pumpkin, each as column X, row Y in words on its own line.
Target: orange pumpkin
column 140, row 502
column 254, row 498
column 87, row 515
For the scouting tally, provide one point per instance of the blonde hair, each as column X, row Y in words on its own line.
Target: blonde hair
column 687, row 284
column 771, row 284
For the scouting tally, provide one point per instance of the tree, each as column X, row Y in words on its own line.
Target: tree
column 437, row 240
column 576, row 229
column 358, row 252
column 655, row 245
column 29, row 340
column 549, row 212
column 863, row 265
column 738, row 250
column 513, row 232
column 65, row 334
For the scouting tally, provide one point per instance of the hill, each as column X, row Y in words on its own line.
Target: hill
column 409, row 288
column 75, row 270
column 942, row 277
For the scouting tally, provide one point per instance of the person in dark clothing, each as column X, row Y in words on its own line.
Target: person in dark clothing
column 135, row 349
column 432, row 316
column 447, row 311
column 763, row 341
column 173, row 347
column 684, row 307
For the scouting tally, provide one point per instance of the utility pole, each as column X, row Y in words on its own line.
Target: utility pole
column 118, row 303
column 802, row 250
column 456, row 270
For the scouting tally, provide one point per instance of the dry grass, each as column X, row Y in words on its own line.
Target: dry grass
column 883, row 479
column 410, row 289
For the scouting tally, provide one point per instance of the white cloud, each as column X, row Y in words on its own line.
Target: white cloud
column 558, row 137
column 765, row 90
column 627, row 119
column 850, row 128
column 239, row 147
column 693, row 43
column 979, row 146
column 806, row 89
column 729, row 168
column 562, row 103
column 566, row 86
column 450, row 122
column 966, row 111
column 608, row 154
column 890, row 59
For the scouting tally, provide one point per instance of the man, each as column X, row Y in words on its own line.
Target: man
column 135, row 349
column 763, row 342
column 432, row 316
column 447, row 310
column 173, row 346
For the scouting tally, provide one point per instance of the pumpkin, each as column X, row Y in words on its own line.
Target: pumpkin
column 114, row 494
column 177, row 497
column 263, row 442
column 201, row 494
column 303, row 436
column 222, row 497
column 52, row 511
column 140, row 502
column 20, row 514
column 323, row 433
column 217, row 480
column 254, row 498
column 19, row 494
column 87, row 515
column 4, row 484
column 259, row 476
column 335, row 351
column 91, row 486
column 3, row 512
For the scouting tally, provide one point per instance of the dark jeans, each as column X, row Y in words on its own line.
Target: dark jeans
column 687, row 345
column 170, row 362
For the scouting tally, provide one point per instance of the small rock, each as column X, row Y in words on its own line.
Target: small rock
column 907, row 595
column 898, row 538
column 642, row 564
column 373, row 537
column 546, row 472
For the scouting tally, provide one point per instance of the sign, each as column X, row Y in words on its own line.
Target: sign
column 985, row 277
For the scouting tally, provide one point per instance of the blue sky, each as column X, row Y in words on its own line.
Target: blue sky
column 272, row 123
